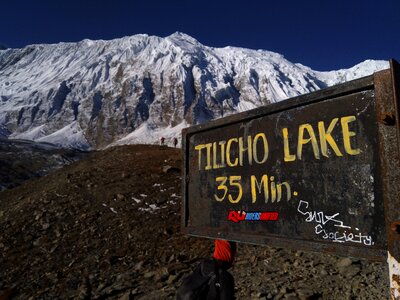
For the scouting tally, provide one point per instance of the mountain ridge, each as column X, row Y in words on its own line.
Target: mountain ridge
column 92, row 94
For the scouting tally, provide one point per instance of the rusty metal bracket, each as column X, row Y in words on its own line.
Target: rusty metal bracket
column 387, row 119
column 395, row 227
column 395, row 74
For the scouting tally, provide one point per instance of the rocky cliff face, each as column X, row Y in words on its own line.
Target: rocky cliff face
column 133, row 90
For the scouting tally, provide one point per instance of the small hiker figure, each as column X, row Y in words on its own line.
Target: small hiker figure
column 162, row 140
column 211, row 280
column 175, row 142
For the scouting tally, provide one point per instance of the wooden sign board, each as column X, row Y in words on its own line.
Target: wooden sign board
column 316, row 172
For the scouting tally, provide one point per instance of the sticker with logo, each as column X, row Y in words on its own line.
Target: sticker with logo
column 240, row 215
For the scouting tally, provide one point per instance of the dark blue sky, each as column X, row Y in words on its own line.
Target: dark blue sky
column 321, row 34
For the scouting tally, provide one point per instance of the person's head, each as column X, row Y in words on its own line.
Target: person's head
column 224, row 251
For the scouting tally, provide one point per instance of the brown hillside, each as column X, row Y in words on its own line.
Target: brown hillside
column 107, row 227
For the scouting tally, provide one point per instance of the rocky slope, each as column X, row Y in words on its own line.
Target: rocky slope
column 135, row 89
column 107, row 227
column 22, row 160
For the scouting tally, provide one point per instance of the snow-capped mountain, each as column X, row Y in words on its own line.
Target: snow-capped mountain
column 135, row 89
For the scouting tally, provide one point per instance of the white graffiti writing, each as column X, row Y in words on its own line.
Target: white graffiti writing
column 319, row 217
column 336, row 236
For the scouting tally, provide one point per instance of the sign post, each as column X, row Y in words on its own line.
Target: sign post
column 317, row 172
column 388, row 99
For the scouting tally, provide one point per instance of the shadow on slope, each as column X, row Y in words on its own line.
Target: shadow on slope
column 21, row 160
